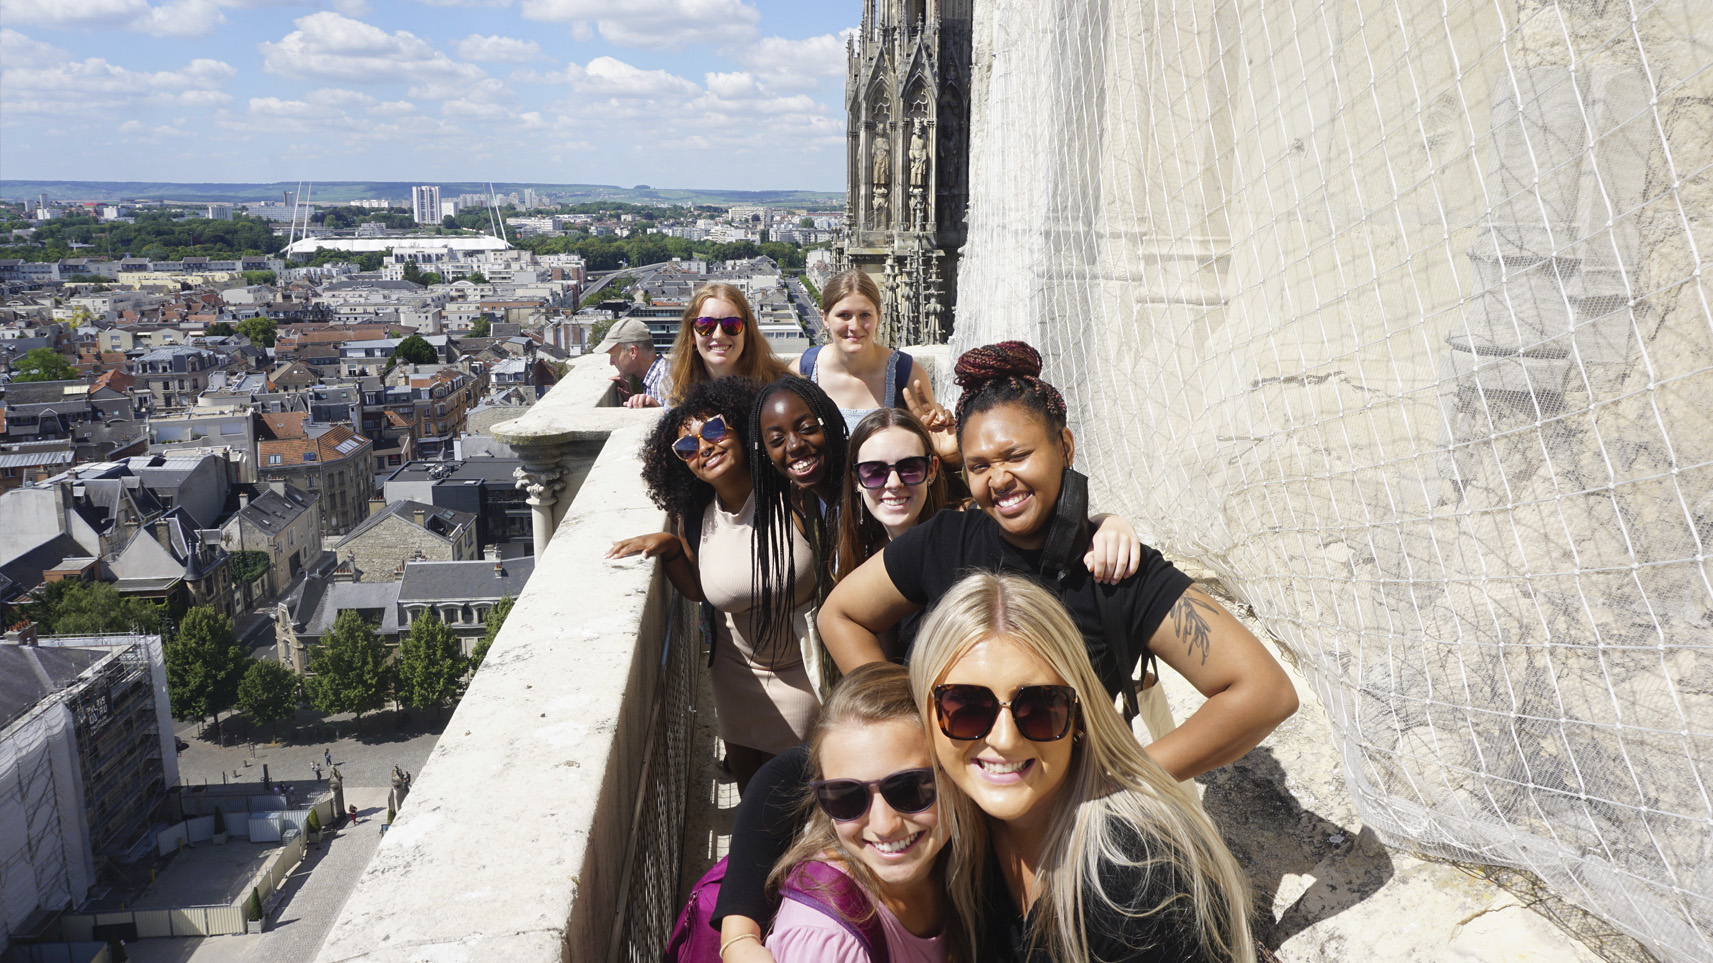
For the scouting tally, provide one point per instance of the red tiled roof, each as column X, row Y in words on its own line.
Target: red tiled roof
column 285, row 424
column 324, row 447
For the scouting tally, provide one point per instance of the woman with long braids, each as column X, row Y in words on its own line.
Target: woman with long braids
column 697, row 466
column 1018, row 454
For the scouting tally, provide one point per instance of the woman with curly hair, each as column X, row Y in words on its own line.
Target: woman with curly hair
column 696, row 463
column 717, row 339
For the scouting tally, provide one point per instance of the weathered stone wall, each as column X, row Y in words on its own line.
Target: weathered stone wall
column 1392, row 314
column 380, row 551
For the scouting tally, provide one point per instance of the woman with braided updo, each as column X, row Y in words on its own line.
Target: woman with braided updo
column 1018, row 452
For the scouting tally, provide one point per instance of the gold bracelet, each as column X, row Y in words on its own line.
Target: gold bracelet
column 736, row 939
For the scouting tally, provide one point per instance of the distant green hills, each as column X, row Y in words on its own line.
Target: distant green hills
column 344, row 191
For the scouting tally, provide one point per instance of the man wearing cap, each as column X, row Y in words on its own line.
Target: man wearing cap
column 630, row 348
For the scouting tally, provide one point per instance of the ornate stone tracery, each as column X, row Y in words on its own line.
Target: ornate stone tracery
column 905, row 209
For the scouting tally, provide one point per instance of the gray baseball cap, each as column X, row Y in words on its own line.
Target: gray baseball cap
column 624, row 331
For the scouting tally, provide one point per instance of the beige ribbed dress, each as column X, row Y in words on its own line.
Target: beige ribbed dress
column 768, row 706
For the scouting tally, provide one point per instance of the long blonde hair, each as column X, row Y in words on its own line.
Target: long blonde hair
column 757, row 360
column 874, row 693
column 1113, row 789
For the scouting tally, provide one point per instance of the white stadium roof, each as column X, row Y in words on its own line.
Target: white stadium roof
column 421, row 242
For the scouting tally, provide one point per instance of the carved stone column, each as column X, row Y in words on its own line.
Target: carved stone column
column 541, row 477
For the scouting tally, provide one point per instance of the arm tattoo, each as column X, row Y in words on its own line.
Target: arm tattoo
column 1192, row 626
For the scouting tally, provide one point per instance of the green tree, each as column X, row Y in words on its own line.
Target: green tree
column 267, row 693
column 221, row 329
column 412, row 273
column 480, row 327
column 431, row 661
column 478, row 277
column 260, row 277
column 76, row 607
column 350, row 666
column 431, row 278
column 43, row 364
column 415, row 350
column 807, row 222
column 205, row 664
column 248, row 566
column 260, row 330
column 496, row 619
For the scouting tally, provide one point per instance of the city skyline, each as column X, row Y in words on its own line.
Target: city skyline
column 734, row 94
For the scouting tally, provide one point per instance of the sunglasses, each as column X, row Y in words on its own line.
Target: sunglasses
column 874, row 474
column 1042, row 713
column 906, row 791
column 713, row 430
column 705, row 326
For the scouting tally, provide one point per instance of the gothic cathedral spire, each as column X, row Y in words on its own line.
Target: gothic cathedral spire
column 907, row 115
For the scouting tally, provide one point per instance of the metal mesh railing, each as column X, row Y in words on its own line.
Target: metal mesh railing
column 1393, row 313
column 650, row 901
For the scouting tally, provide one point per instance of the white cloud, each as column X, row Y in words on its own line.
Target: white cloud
column 609, row 77
column 175, row 18
column 17, row 50
column 330, row 46
column 795, row 64
column 497, row 49
column 653, row 24
column 105, row 87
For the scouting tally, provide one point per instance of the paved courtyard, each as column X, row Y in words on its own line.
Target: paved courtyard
column 313, row 894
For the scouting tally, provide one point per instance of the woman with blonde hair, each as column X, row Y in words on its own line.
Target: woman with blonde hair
column 717, row 339
column 1068, row 842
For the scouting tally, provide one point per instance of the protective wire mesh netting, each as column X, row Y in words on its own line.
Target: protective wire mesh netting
column 1392, row 312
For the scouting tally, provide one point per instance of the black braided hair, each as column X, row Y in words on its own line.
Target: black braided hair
column 1006, row 373
column 773, row 581
column 671, row 485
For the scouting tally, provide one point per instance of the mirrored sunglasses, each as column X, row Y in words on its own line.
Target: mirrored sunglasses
column 874, row 474
column 713, row 430
column 906, row 791
column 1042, row 713
column 705, row 326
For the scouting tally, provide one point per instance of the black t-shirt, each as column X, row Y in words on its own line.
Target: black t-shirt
column 1167, row 935
column 926, row 561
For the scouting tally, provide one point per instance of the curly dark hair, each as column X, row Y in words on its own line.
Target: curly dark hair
column 670, row 482
column 774, row 582
column 1006, row 373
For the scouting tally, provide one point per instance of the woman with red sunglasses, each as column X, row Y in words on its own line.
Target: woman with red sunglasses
column 717, row 339
column 1069, row 842
column 875, row 825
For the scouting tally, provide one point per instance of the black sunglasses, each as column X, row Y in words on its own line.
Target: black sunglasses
column 1042, row 713
column 705, row 325
column 713, row 430
column 906, row 791
column 911, row 471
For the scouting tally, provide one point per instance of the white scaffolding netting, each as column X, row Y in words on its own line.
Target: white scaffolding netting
column 1392, row 312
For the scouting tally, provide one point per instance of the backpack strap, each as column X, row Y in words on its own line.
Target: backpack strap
column 806, row 363
column 898, row 378
column 827, row 890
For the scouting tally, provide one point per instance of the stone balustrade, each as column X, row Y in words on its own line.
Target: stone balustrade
column 515, row 842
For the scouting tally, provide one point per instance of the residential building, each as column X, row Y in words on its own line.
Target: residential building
column 483, row 487
column 173, row 377
column 286, row 524
column 405, row 531
column 460, row 593
column 335, row 464
column 425, row 204
column 309, row 609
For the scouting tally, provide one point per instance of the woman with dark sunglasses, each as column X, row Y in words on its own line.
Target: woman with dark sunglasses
column 874, row 821
column 1018, row 453
column 717, row 339
column 1068, row 842
column 697, row 467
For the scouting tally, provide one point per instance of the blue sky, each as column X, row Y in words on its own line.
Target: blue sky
column 736, row 94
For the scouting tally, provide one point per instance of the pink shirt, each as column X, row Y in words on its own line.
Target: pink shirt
column 803, row 934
